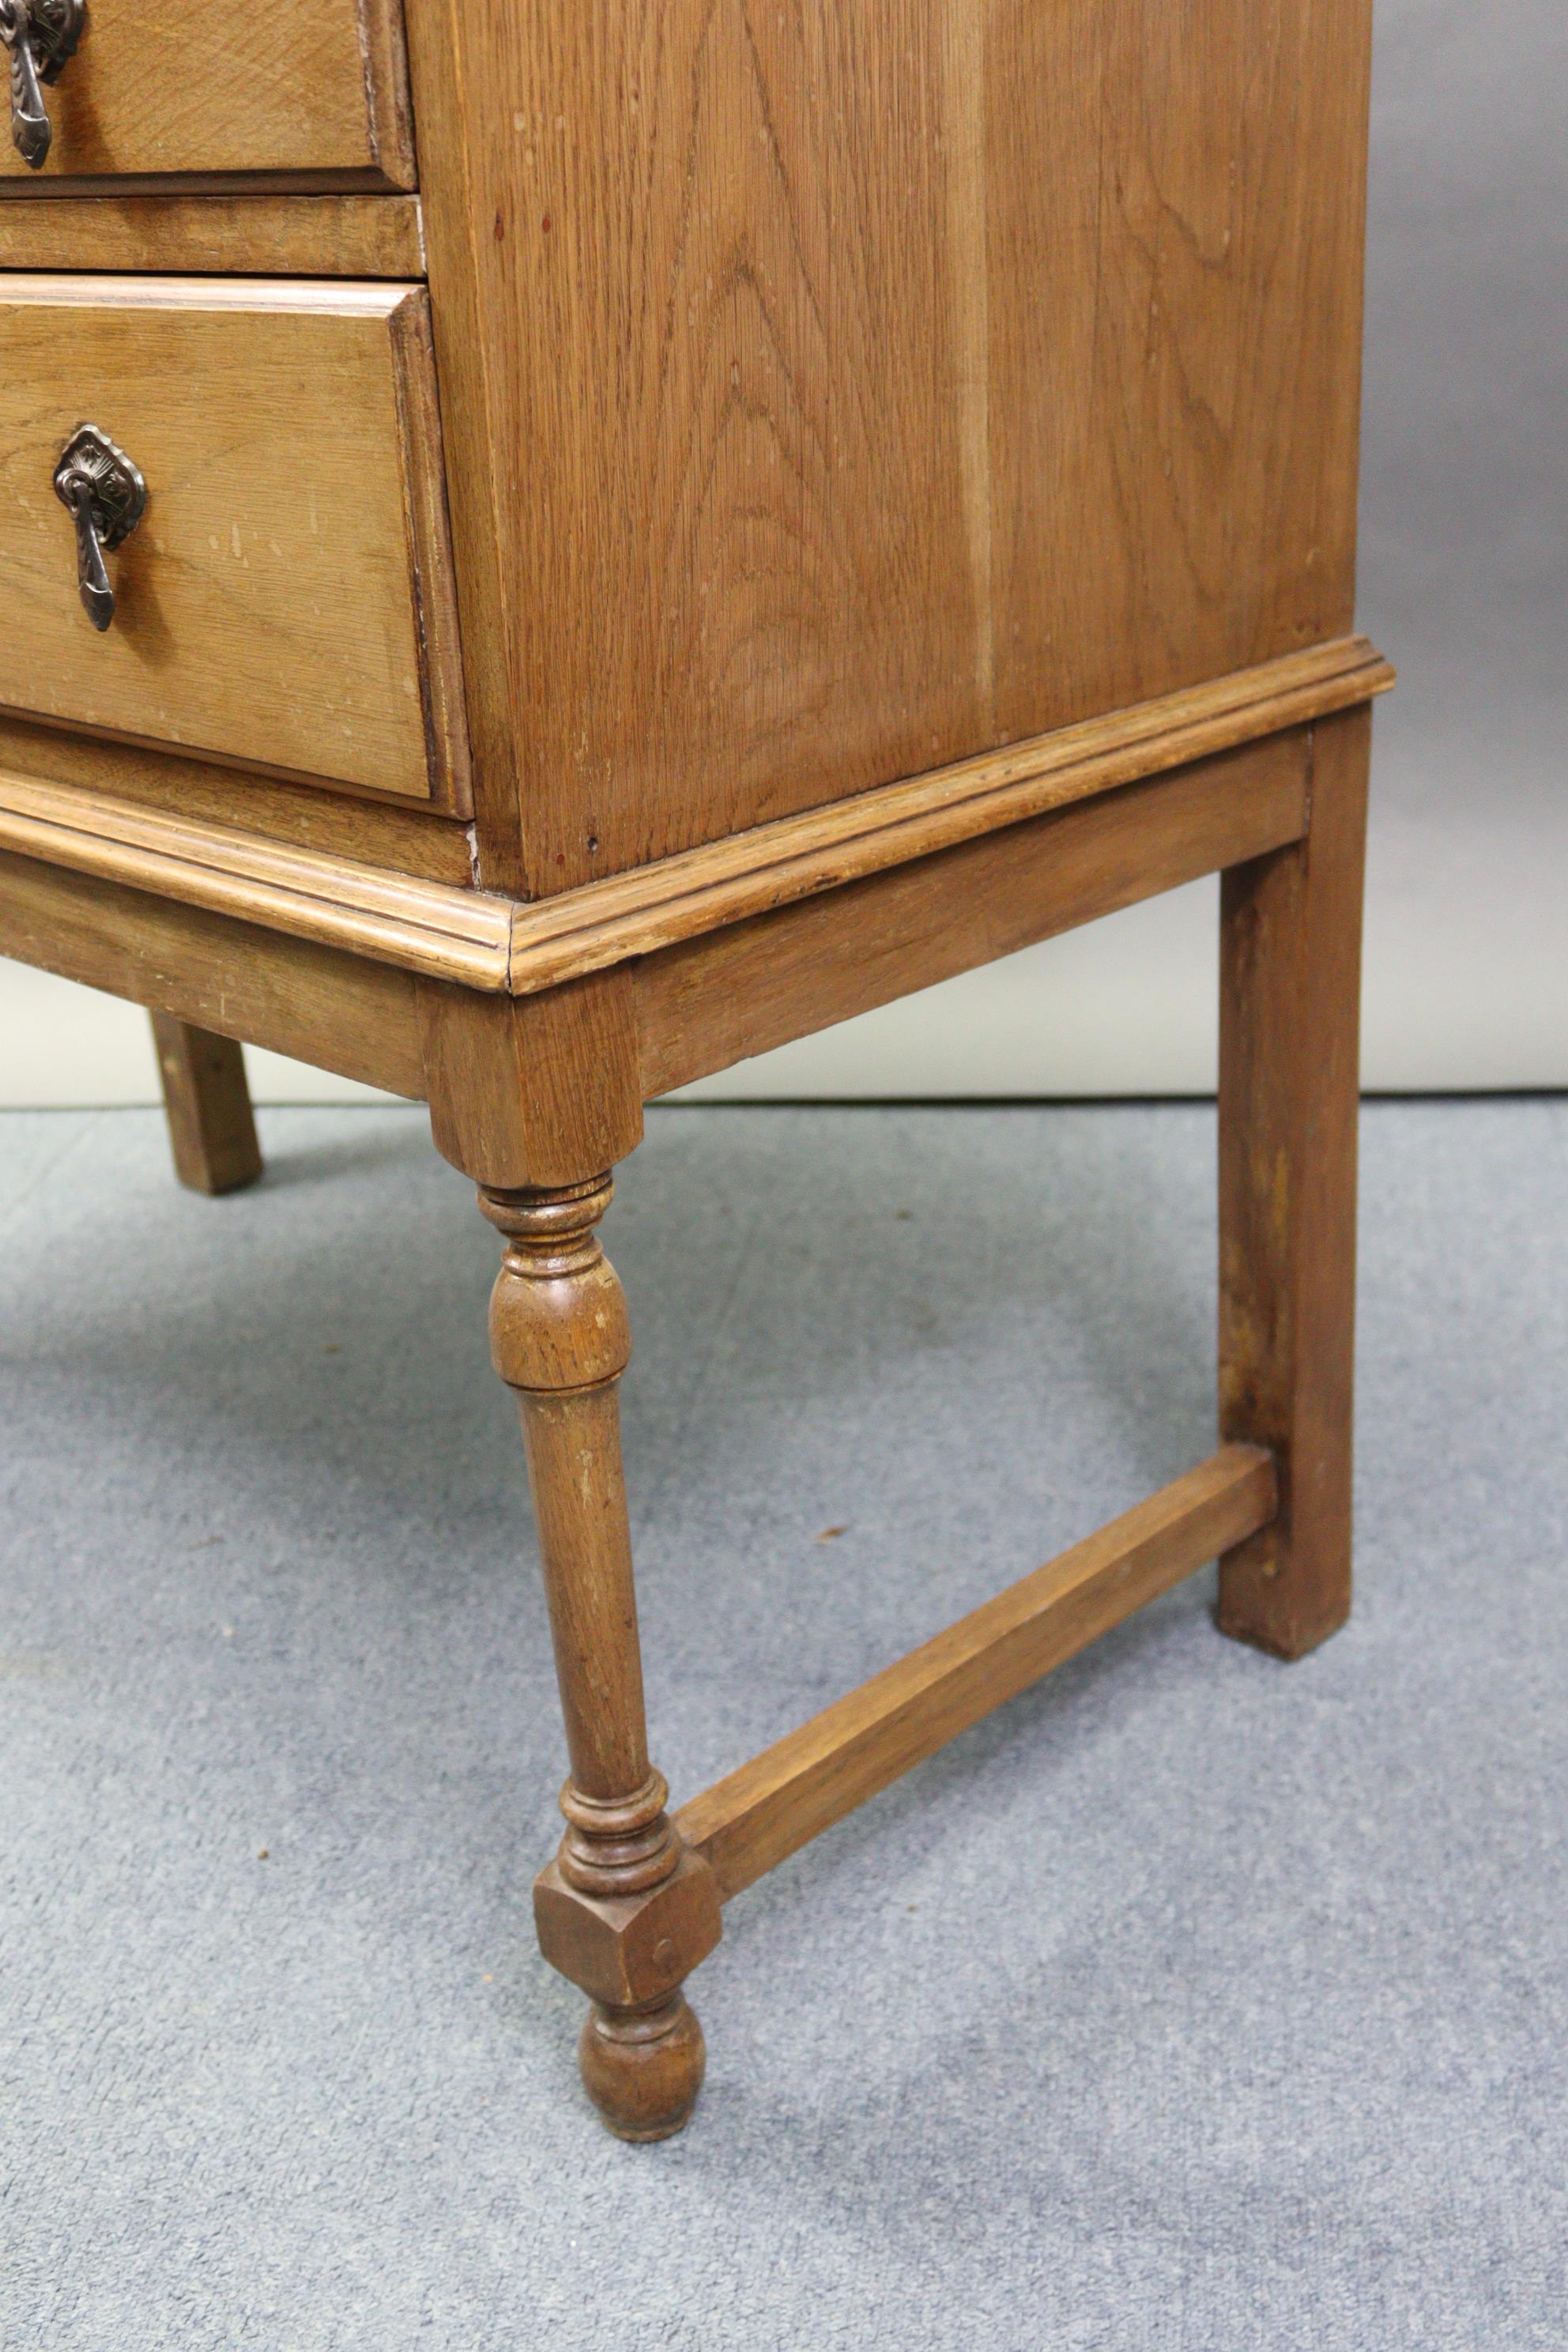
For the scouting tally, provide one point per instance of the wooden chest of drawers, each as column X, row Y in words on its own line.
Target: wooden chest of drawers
column 546, row 549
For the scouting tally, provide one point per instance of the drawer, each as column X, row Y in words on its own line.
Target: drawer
column 286, row 601
column 190, row 86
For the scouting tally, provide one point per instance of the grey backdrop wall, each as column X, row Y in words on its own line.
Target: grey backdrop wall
column 1464, row 547
column 1464, row 581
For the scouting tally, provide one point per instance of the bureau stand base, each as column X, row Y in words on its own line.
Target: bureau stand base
column 536, row 1097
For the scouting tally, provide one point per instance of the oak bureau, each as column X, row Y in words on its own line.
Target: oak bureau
column 547, row 546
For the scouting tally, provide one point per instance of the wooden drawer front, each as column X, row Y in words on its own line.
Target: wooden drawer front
column 197, row 86
column 287, row 600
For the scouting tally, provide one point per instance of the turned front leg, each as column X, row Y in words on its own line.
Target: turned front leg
column 624, row 1910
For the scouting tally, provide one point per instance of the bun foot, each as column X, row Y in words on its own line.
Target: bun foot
column 643, row 2067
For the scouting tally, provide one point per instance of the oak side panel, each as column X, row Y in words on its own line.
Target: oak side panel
column 893, row 383
column 716, row 1000
column 338, row 1011
column 770, row 1807
column 1176, row 211
column 677, row 233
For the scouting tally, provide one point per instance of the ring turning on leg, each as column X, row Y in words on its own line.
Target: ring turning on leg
column 624, row 1910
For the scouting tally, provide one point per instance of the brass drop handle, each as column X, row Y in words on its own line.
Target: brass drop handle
column 106, row 498
column 42, row 37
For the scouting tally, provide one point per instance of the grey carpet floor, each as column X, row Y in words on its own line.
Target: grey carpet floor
column 1192, row 2001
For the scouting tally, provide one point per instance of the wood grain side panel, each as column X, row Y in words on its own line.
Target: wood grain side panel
column 717, row 999
column 1176, row 204
column 771, row 1806
column 338, row 1011
column 705, row 249
column 893, row 383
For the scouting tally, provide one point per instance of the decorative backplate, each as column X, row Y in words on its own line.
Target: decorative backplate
column 107, row 498
column 54, row 28
column 118, row 494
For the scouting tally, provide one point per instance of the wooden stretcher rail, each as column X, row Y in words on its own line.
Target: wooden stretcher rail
column 745, row 1825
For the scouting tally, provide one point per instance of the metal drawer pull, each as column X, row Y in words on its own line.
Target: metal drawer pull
column 42, row 37
column 107, row 498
